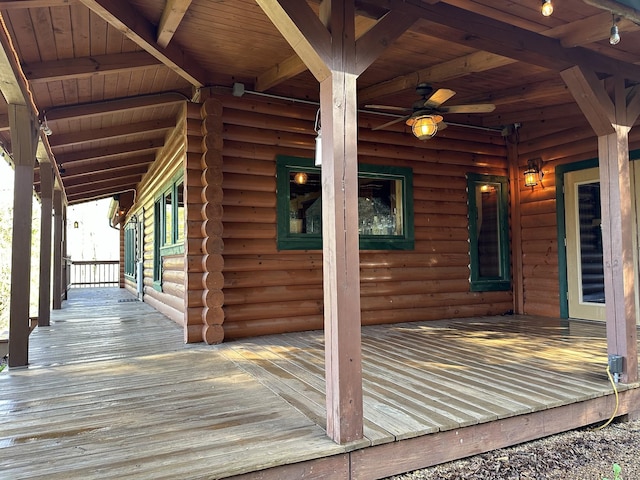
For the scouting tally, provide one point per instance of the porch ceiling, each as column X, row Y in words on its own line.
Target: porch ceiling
column 108, row 74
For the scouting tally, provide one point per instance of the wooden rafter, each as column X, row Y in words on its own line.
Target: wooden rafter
column 122, row 16
column 93, row 193
column 114, row 106
column 86, row 67
column 133, row 148
column 113, row 165
column 118, row 131
column 617, row 8
column 172, row 15
column 18, row 4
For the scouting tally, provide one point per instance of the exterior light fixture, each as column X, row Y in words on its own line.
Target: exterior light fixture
column 424, row 127
column 533, row 174
column 76, row 224
column 44, row 127
column 300, row 178
column 614, row 37
column 547, row 8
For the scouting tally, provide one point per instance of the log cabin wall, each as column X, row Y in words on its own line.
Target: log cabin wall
column 573, row 140
column 268, row 291
column 169, row 163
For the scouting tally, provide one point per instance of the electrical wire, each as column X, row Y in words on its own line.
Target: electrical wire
column 615, row 411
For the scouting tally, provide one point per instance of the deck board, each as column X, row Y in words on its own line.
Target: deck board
column 112, row 392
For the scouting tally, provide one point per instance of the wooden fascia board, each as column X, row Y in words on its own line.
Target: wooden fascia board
column 304, row 31
column 112, row 106
column 498, row 37
column 592, row 99
column 458, row 67
column 111, row 151
column 118, row 131
column 77, row 68
column 370, row 45
column 132, row 24
column 172, row 15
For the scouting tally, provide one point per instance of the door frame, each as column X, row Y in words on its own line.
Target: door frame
column 562, row 226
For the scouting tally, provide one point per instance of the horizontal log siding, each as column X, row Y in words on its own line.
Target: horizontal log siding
column 267, row 291
column 540, row 268
column 170, row 160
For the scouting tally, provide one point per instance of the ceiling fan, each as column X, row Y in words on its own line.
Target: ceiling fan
column 425, row 116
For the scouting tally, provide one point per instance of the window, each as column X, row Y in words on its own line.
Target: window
column 169, row 224
column 488, row 232
column 385, row 207
column 130, row 249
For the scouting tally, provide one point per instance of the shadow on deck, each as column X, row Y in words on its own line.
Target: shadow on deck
column 112, row 392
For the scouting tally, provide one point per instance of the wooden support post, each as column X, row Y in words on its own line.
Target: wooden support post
column 611, row 118
column 341, row 259
column 617, row 246
column 46, row 196
column 58, row 271
column 23, row 136
column 516, row 224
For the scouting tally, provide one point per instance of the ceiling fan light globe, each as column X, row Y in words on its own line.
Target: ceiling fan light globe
column 425, row 127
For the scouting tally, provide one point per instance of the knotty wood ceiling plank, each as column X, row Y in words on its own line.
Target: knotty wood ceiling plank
column 62, row 28
column 124, row 149
column 80, row 20
column 116, row 131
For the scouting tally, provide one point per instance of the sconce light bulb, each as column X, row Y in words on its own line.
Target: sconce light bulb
column 614, row 38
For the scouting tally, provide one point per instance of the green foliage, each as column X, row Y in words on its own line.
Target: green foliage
column 617, row 472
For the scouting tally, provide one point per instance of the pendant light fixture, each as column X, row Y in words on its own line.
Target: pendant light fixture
column 614, row 37
column 547, row 8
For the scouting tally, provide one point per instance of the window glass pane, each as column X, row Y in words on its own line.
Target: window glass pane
column 591, row 264
column 488, row 229
column 305, row 206
column 379, row 206
column 180, row 212
column 168, row 219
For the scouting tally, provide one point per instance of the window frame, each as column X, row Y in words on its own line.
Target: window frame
column 175, row 243
column 130, row 237
column 503, row 280
column 309, row 241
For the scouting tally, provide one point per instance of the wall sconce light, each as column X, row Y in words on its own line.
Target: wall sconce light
column 318, row 159
column 547, row 8
column 614, row 37
column 533, row 174
column 300, row 178
column 424, row 127
column 76, row 224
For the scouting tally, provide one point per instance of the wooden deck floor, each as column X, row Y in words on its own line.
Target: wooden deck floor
column 112, row 392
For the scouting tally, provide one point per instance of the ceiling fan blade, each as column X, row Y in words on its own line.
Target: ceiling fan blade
column 388, row 107
column 438, row 97
column 476, row 108
column 442, row 126
column 392, row 122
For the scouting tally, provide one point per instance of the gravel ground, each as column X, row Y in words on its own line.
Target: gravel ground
column 583, row 454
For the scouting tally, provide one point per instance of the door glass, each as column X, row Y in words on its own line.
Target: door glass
column 591, row 266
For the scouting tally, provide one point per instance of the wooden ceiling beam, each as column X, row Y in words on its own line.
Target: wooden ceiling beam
column 458, row 67
column 18, row 4
column 617, row 8
column 522, row 93
column 115, row 132
column 588, row 30
column 114, row 106
column 112, row 165
column 133, row 25
column 133, row 148
column 592, row 98
column 77, row 68
column 172, row 15
column 304, row 31
column 484, row 33
column 95, row 194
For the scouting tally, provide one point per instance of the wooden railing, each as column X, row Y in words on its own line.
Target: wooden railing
column 94, row 273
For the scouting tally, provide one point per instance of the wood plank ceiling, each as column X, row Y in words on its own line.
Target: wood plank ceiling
column 108, row 75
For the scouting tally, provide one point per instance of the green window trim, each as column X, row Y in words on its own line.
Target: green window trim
column 169, row 225
column 390, row 229
column 130, row 250
column 488, row 233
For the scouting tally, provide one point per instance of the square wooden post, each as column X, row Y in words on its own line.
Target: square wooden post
column 46, row 196
column 58, row 233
